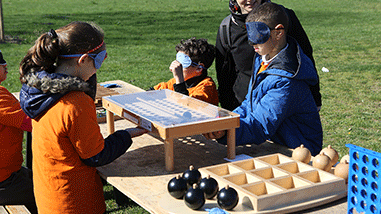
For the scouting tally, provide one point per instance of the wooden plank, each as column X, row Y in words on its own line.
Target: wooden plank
column 17, row 209
column 140, row 173
column 3, row 210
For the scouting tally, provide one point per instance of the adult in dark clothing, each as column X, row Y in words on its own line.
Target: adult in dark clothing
column 234, row 62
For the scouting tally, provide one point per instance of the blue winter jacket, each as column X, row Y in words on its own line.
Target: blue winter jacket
column 279, row 105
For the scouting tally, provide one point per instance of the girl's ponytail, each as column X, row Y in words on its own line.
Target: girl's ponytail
column 41, row 56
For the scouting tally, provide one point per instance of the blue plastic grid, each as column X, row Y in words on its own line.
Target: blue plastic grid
column 364, row 195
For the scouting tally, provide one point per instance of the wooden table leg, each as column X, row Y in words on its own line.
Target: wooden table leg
column 231, row 143
column 110, row 122
column 168, row 153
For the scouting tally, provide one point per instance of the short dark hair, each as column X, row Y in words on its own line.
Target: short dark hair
column 199, row 50
column 269, row 13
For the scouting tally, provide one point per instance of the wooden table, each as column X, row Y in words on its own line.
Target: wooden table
column 170, row 115
column 140, row 173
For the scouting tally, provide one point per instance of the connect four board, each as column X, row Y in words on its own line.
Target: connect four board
column 271, row 184
column 363, row 180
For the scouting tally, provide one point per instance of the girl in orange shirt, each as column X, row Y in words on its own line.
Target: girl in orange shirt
column 67, row 142
column 16, row 185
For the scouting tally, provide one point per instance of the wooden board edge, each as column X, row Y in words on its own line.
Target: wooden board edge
column 19, row 209
column 3, row 210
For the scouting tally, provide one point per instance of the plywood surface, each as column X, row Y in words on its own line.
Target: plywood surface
column 17, row 209
column 2, row 210
column 141, row 175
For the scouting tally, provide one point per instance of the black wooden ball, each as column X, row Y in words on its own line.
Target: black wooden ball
column 227, row 198
column 194, row 197
column 177, row 187
column 192, row 176
column 210, row 187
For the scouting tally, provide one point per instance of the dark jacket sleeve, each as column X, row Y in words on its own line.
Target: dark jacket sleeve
column 116, row 145
column 226, row 75
column 181, row 88
column 296, row 31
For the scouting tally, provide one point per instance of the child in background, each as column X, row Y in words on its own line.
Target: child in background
column 190, row 71
column 16, row 186
column 279, row 105
column 67, row 142
column 234, row 56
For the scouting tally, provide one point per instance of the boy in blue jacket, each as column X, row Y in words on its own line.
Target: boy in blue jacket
column 279, row 105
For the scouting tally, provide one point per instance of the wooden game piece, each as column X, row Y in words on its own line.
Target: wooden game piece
column 342, row 170
column 192, row 176
column 177, row 187
column 345, row 158
column 194, row 197
column 227, row 198
column 332, row 154
column 322, row 161
column 210, row 187
column 302, row 154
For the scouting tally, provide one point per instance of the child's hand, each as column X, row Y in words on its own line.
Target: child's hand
column 135, row 132
column 177, row 70
column 214, row 135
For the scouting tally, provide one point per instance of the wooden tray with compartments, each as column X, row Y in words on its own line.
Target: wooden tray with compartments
column 170, row 115
column 269, row 184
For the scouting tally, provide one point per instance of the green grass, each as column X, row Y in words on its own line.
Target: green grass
column 141, row 37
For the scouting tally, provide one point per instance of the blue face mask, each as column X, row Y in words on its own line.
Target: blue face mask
column 98, row 58
column 257, row 32
column 186, row 61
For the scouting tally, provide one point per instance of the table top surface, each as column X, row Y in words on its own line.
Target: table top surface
column 141, row 175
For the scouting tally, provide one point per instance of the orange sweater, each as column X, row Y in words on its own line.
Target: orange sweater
column 11, row 135
column 65, row 134
column 205, row 90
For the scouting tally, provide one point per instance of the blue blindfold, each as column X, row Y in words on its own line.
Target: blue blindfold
column 98, row 58
column 186, row 61
column 257, row 32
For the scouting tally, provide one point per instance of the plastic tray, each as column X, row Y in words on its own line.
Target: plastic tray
column 364, row 194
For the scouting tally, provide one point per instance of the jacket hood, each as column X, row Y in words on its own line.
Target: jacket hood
column 289, row 64
column 42, row 90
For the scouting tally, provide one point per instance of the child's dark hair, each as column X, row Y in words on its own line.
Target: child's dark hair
column 74, row 38
column 269, row 13
column 199, row 50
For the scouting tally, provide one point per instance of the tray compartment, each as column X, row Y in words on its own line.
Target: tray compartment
column 295, row 167
column 275, row 159
column 223, row 170
column 269, row 173
column 290, row 182
column 262, row 188
column 317, row 176
column 242, row 179
column 250, row 164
